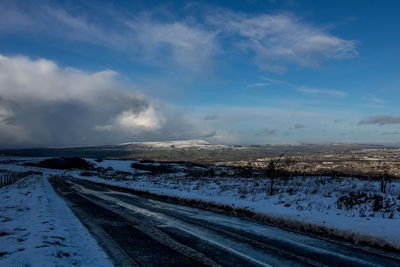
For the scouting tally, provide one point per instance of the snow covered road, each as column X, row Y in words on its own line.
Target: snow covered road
column 135, row 230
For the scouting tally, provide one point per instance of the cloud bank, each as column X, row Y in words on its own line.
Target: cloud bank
column 44, row 104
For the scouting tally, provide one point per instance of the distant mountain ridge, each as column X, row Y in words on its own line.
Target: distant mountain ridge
column 178, row 144
column 187, row 150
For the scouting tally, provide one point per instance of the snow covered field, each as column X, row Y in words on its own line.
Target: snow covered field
column 344, row 207
column 38, row 229
column 350, row 208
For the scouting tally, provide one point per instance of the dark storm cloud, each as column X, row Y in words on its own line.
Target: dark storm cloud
column 42, row 104
column 68, row 122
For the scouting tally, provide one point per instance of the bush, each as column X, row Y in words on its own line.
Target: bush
column 63, row 164
column 155, row 169
column 372, row 202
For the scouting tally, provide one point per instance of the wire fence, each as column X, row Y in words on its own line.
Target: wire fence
column 13, row 177
column 6, row 180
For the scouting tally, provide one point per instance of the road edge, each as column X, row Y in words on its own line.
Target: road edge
column 116, row 254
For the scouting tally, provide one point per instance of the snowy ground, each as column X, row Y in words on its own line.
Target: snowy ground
column 350, row 207
column 38, row 229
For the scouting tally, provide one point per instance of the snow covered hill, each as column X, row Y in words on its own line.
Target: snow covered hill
column 181, row 144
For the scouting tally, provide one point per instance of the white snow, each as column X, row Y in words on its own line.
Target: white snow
column 308, row 201
column 120, row 165
column 38, row 229
column 312, row 200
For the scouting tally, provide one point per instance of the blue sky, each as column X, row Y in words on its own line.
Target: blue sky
column 232, row 72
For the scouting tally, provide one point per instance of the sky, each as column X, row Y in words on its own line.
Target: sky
column 228, row 72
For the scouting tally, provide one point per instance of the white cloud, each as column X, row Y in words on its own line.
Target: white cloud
column 44, row 104
column 274, row 81
column 258, row 85
column 148, row 119
column 14, row 17
column 378, row 100
column 282, row 39
column 193, row 42
column 316, row 91
column 188, row 45
column 43, row 79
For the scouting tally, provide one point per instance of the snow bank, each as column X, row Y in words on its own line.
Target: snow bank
column 38, row 229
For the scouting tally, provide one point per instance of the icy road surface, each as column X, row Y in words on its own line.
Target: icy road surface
column 135, row 230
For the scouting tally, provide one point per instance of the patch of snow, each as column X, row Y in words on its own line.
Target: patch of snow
column 117, row 165
column 120, row 165
column 38, row 229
